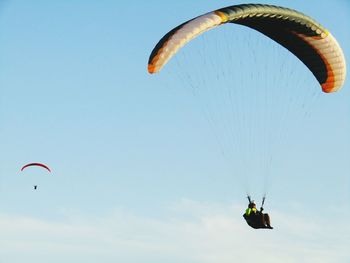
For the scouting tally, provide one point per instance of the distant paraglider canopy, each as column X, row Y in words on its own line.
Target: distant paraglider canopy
column 36, row 164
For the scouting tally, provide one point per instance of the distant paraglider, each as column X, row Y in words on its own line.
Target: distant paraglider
column 35, row 187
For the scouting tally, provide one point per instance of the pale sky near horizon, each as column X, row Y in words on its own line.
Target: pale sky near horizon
column 137, row 174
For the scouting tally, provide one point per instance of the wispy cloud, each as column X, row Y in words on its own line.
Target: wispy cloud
column 190, row 232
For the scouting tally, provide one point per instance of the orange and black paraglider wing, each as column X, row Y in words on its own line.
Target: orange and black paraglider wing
column 300, row 34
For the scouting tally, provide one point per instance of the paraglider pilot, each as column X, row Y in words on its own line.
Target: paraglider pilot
column 256, row 219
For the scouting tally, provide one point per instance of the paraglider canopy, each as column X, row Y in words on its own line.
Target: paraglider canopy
column 313, row 44
column 36, row 164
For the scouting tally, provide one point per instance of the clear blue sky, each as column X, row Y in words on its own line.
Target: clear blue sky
column 137, row 175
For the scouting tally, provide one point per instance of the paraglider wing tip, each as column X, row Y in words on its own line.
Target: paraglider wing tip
column 151, row 69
